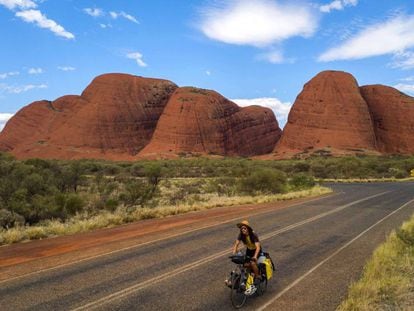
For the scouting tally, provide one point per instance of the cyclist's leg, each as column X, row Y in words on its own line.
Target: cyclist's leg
column 255, row 269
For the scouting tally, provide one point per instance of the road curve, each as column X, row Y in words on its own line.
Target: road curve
column 319, row 247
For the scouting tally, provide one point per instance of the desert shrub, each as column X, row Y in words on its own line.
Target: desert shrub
column 397, row 172
column 74, row 204
column 301, row 167
column 223, row 186
column 111, row 169
column 319, row 170
column 34, row 184
column 9, row 219
column 302, row 181
column 137, row 192
column 137, row 169
column 153, row 173
column 111, row 204
column 264, row 181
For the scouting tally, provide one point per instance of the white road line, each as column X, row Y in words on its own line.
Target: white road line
column 153, row 241
column 129, row 290
column 298, row 280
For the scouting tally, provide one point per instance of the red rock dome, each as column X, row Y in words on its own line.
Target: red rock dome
column 114, row 118
column 202, row 121
column 393, row 116
column 329, row 113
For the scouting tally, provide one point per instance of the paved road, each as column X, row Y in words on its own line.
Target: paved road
column 319, row 247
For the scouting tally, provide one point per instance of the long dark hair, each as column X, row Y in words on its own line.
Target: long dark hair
column 251, row 235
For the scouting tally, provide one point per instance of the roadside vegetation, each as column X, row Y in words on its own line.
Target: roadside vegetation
column 387, row 282
column 40, row 198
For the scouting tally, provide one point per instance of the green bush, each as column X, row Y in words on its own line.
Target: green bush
column 397, row 173
column 111, row 204
column 137, row 192
column 264, row 181
column 9, row 219
column 74, row 204
column 302, row 181
column 153, row 173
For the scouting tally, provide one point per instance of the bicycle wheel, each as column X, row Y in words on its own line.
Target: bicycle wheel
column 261, row 288
column 237, row 296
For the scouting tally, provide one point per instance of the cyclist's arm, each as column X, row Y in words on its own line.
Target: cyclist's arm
column 236, row 245
column 256, row 253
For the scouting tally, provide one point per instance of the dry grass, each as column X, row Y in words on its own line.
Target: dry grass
column 105, row 219
column 366, row 180
column 387, row 282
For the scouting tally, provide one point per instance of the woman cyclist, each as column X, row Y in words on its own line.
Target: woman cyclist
column 253, row 248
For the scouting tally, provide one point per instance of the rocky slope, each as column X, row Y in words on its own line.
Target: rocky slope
column 393, row 118
column 329, row 113
column 116, row 116
column 124, row 117
column 204, row 122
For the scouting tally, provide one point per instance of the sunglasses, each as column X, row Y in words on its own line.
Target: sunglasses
column 243, row 228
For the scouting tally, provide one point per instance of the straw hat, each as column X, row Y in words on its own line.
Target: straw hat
column 244, row 223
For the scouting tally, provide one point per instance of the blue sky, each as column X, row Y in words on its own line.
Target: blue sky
column 251, row 51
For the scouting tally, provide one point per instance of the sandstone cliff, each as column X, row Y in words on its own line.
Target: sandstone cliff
column 114, row 118
column 204, row 122
column 393, row 118
column 329, row 113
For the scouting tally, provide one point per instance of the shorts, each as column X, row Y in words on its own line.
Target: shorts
column 250, row 253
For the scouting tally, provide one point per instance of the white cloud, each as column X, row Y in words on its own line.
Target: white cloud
column 21, row 89
column 138, row 57
column 4, row 117
column 208, row 72
column 8, row 74
column 274, row 57
column 409, row 79
column 406, row 88
column 337, row 5
column 94, row 12
column 66, row 68
column 257, row 22
column 129, row 17
column 105, row 25
column 35, row 71
column 404, row 60
column 280, row 109
column 36, row 17
column 390, row 37
column 19, row 4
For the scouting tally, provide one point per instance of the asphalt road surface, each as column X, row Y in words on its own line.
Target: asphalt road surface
column 319, row 246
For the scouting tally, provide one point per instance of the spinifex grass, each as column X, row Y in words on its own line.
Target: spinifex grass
column 105, row 219
column 387, row 282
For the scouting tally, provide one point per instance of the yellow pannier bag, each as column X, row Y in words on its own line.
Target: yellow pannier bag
column 269, row 268
column 249, row 281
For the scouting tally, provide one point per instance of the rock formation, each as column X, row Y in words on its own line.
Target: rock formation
column 393, row 116
column 204, row 122
column 124, row 117
column 114, row 118
column 329, row 113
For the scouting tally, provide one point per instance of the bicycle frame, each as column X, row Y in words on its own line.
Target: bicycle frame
column 239, row 278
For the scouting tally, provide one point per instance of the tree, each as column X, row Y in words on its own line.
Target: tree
column 153, row 174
